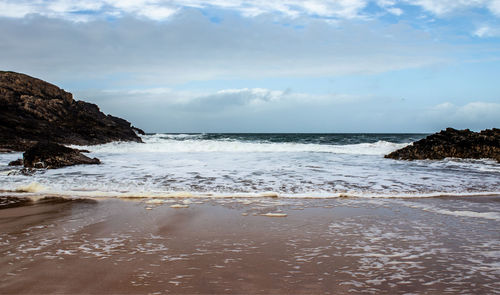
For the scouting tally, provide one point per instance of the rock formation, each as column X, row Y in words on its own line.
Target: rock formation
column 52, row 155
column 452, row 143
column 32, row 110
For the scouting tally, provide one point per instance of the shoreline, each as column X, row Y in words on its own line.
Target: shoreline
column 230, row 246
column 35, row 191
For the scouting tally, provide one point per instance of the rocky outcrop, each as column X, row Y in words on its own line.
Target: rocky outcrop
column 452, row 143
column 18, row 162
column 52, row 155
column 33, row 110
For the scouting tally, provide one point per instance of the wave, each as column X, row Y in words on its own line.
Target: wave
column 191, row 144
column 180, row 136
column 36, row 189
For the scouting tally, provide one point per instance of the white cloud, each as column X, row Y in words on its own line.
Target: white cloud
column 156, row 12
column 13, row 9
column 474, row 115
column 159, row 10
column 477, row 111
column 486, row 31
column 494, row 7
column 162, row 9
column 443, row 7
column 395, row 10
column 388, row 5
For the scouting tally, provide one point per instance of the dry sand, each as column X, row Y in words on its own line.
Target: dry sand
column 232, row 247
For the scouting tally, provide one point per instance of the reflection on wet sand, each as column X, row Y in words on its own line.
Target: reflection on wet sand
column 234, row 246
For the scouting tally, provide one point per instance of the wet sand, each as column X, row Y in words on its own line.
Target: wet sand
column 228, row 246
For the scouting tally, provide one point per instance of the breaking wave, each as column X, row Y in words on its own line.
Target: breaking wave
column 185, row 143
column 257, row 165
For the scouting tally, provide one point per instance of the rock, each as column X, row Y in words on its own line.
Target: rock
column 18, row 162
column 33, row 110
column 52, row 155
column 452, row 143
column 24, row 171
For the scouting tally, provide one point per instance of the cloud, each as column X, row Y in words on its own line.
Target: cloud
column 231, row 110
column 272, row 110
column 219, row 100
column 486, row 31
column 473, row 115
column 239, row 97
column 494, row 7
column 444, row 7
column 15, row 9
column 160, row 10
column 257, row 98
column 191, row 47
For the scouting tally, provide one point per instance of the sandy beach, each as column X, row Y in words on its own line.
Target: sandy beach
column 250, row 246
column 249, row 147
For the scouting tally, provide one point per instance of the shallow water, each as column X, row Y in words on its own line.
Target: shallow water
column 327, row 246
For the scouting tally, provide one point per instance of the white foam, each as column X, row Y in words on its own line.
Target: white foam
column 33, row 187
column 171, row 144
column 154, row 197
column 185, row 166
column 459, row 213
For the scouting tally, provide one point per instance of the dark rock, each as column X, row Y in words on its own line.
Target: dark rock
column 83, row 151
column 139, row 131
column 24, row 171
column 18, row 162
column 52, row 155
column 32, row 110
column 452, row 143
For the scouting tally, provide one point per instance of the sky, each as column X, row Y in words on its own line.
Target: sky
column 266, row 66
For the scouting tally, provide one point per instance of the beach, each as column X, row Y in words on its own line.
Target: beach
column 249, row 147
column 251, row 214
column 240, row 245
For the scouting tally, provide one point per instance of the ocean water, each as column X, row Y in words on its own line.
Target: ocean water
column 258, row 165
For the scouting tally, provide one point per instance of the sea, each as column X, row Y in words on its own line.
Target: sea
column 252, row 213
column 258, row 165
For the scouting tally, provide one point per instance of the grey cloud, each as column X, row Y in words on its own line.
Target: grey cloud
column 191, row 47
column 245, row 110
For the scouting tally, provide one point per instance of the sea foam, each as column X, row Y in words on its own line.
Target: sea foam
column 33, row 187
column 163, row 144
column 169, row 166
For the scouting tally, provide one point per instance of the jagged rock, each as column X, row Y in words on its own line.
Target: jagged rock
column 52, row 155
column 18, row 162
column 33, row 110
column 452, row 143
